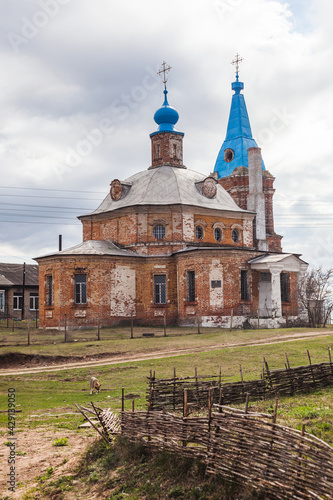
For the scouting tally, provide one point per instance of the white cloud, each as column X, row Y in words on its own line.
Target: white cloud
column 86, row 62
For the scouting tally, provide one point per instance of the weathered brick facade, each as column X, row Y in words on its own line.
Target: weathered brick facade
column 172, row 242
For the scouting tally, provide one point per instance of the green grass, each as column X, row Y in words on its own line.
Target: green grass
column 46, row 395
column 117, row 340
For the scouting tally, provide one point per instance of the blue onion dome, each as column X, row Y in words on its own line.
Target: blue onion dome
column 166, row 116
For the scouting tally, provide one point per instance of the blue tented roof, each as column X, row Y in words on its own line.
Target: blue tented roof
column 239, row 135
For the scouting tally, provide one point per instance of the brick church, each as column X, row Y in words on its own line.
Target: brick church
column 169, row 241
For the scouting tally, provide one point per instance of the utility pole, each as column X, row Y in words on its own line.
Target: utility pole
column 23, row 289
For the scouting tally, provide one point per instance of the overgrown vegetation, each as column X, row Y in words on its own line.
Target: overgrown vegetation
column 130, row 471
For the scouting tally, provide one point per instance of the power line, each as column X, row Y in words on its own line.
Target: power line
column 50, row 189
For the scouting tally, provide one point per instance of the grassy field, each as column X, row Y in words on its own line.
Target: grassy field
column 118, row 340
column 47, row 403
column 55, row 392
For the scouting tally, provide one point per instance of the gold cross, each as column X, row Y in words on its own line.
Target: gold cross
column 236, row 62
column 164, row 69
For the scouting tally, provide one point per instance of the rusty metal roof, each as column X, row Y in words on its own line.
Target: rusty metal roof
column 93, row 247
column 167, row 185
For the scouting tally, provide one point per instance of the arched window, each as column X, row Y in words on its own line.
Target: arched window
column 159, row 231
column 235, row 235
column 218, row 234
column 199, row 232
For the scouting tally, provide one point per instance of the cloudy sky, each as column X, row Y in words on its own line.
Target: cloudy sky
column 78, row 91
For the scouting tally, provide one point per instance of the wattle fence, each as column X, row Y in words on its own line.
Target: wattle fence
column 168, row 394
column 250, row 448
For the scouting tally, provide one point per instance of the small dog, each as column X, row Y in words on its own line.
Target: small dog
column 94, row 385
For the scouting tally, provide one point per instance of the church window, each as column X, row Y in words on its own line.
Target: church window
column 159, row 231
column 160, row 289
column 265, row 277
column 229, row 155
column 80, row 288
column 2, row 300
column 174, row 150
column 17, row 301
column 218, row 234
column 285, row 287
column 157, row 150
column 235, row 235
column 199, row 232
column 245, row 291
column 190, row 286
column 49, row 290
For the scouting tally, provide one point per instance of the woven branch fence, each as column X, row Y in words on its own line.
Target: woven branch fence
column 252, row 448
column 168, row 393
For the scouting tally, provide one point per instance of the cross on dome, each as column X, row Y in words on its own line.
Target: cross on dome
column 238, row 59
column 164, row 69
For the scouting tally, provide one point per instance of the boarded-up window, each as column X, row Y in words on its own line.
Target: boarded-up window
column 49, row 290
column 245, row 291
column 190, row 286
column 285, row 287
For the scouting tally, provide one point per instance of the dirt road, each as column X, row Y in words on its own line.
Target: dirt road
column 141, row 356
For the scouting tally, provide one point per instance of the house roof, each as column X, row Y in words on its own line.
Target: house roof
column 12, row 274
column 93, row 247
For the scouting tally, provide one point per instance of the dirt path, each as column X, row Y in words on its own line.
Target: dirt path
column 37, row 454
column 141, row 356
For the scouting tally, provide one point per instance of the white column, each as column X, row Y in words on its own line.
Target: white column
column 276, row 292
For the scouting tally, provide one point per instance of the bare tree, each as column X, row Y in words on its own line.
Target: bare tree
column 315, row 291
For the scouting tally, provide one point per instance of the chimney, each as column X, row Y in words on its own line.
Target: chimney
column 256, row 197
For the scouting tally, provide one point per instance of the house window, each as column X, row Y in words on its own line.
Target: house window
column 80, row 288
column 190, row 286
column 160, row 289
column 159, row 231
column 49, row 290
column 2, row 301
column 245, row 292
column 285, row 287
column 218, row 234
column 17, row 301
column 34, row 300
column 199, row 232
column 235, row 235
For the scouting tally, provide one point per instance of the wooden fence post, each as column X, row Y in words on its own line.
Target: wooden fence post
column 314, row 380
column 65, row 327
column 29, row 331
column 164, row 323
column 185, row 403
column 131, row 325
column 231, row 318
column 98, row 328
column 174, row 388
column 13, row 325
column 199, row 320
